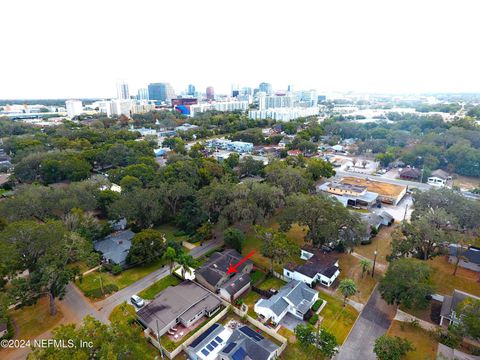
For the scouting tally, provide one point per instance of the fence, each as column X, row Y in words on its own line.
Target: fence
column 281, row 277
column 264, row 293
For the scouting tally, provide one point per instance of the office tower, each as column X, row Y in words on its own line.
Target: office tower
column 290, row 88
column 191, row 90
column 266, row 88
column 142, row 94
column 235, row 90
column 309, row 97
column 210, row 93
column 246, row 91
column 122, row 90
column 275, row 101
column 160, row 92
column 74, row 108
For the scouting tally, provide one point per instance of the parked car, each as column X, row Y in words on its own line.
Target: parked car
column 137, row 301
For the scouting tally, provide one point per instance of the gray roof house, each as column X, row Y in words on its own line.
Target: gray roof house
column 183, row 304
column 448, row 313
column 470, row 258
column 115, row 247
column 214, row 274
column 243, row 343
column 295, row 298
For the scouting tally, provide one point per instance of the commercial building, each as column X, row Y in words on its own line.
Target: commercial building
column 160, row 92
column 387, row 193
column 266, row 101
column 183, row 304
column 295, row 298
column 191, row 90
column 74, row 108
column 210, row 92
column 141, row 107
column 183, row 105
column 122, row 90
column 350, row 195
column 318, row 268
column 119, row 107
column 283, row 114
column 224, row 144
column 219, row 106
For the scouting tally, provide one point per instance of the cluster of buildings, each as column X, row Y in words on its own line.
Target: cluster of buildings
column 229, row 145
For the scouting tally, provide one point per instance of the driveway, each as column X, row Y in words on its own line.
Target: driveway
column 290, row 322
column 373, row 322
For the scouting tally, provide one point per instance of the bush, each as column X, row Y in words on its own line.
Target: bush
column 317, row 304
column 313, row 320
column 116, row 269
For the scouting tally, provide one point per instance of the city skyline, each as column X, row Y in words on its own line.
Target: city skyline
column 372, row 46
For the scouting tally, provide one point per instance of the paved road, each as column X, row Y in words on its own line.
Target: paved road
column 373, row 322
column 410, row 184
column 106, row 306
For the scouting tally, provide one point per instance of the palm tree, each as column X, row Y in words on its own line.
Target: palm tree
column 348, row 288
column 364, row 265
column 186, row 262
column 170, row 255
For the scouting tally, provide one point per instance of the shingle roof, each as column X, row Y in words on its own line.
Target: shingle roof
column 236, row 283
column 247, row 347
column 472, row 253
column 319, row 263
column 115, row 247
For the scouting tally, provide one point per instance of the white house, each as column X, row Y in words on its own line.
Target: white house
column 319, row 268
column 437, row 181
column 295, row 298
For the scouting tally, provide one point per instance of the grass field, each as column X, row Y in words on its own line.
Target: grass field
column 252, row 243
column 336, row 318
column 271, row 283
column 122, row 312
column 350, row 268
column 31, row 321
column 92, row 281
column 381, row 243
column 425, row 345
column 172, row 233
column 150, row 292
column 445, row 282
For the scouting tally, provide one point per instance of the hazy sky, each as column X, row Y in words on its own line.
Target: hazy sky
column 73, row 48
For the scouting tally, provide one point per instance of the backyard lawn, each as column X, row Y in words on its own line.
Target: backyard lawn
column 350, row 268
column 91, row 282
column 425, row 345
column 271, row 283
column 336, row 318
column 31, row 321
column 172, row 232
column 252, row 243
column 445, row 282
column 381, row 243
column 150, row 292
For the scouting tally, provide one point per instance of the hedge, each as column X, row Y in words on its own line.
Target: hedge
column 317, row 305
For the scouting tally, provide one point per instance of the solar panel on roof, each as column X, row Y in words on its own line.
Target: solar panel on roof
column 210, row 347
column 205, row 352
column 240, row 354
column 214, row 343
column 229, row 347
column 219, row 339
column 204, row 335
column 250, row 333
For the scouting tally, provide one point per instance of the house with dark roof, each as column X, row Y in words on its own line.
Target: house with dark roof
column 469, row 257
column 115, row 247
column 448, row 313
column 319, row 267
column 295, row 298
column 215, row 277
column 242, row 343
column 183, row 304
column 410, row 174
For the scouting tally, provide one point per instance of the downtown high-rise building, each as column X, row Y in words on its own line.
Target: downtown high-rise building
column 266, row 88
column 122, row 90
column 210, row 93
column 160, row 92
column 74, row 108
column 191, row 90
column 142, row 94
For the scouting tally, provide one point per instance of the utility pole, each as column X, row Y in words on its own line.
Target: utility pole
column 101, row 284
column 375, row 253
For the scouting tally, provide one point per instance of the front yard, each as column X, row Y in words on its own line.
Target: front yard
column 381, row 243
column 350, row 268
column 90, row 283
column 465, row 280
column 31, row 321
column 424, row 343
column 150, row 292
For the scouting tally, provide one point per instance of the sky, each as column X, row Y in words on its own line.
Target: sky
column 79, row 49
